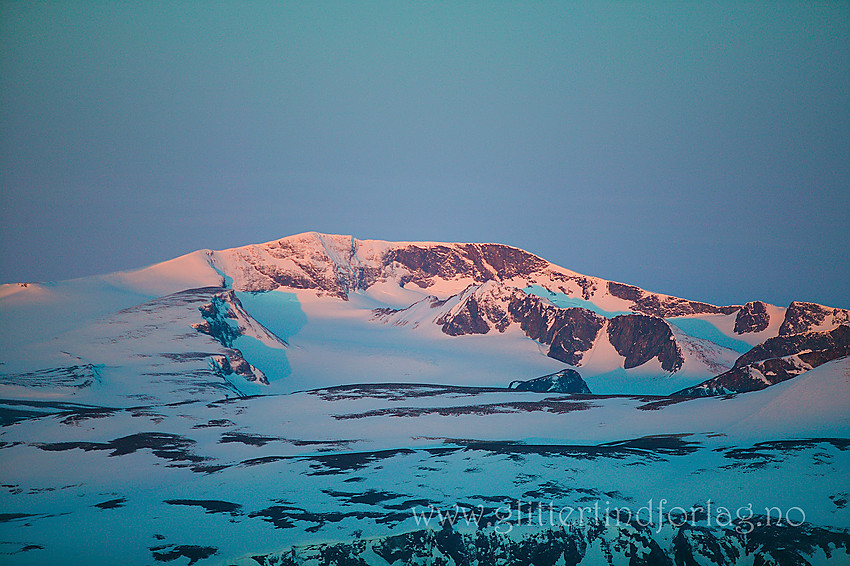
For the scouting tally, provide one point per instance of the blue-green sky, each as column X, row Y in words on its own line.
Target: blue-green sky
column 695, row 148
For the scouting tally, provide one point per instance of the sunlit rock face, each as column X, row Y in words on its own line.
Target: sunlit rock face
column 753, row 317
column 806, row 317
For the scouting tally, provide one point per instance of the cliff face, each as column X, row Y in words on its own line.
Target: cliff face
column 569, row 333
column 479, row 309
column 753, row 317
column 806, row 317
column 225, row 319
column 639, row 338
column 480, row 262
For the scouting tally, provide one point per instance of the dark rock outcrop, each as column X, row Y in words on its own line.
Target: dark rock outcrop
column 468, row 320
column 481, row 262
column 626, row 292
column 663, row 306
column 753, row 317
column 803, row 317
column 565, row 381
column 639, row 338
column 75, row 376
column 232, row 362
column 225, row 320
column 794, row 355
column 671, row 306
column 479, row 308
column 753, row 377
column 780, row 346
column 217, row 317
column 568, row 332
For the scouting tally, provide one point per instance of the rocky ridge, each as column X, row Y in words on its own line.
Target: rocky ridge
column 338, row 265
column 776, row 360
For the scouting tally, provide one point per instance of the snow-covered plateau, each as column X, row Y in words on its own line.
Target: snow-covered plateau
column 326, row 400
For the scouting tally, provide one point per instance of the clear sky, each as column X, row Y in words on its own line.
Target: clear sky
column 700, row 149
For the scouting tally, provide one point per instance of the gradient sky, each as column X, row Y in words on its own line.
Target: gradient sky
column 699, row 149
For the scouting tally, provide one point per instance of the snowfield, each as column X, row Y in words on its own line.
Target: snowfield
column 315, row 399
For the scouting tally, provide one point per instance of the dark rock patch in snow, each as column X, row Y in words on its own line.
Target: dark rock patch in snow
column 651, row 446
column 840, row 499
column 75, row 377
column 396, row 391
column 208, row 505
column 112, row 503
column 564, row 381
column 6, row 517
column 171, row 447
column 286, row 517
column 551, row 405
column 334, row 464
column 216, row 423
column 82, row 415
column 194, row 553
column 248, row 439
column 368, row 497
column 761, row 454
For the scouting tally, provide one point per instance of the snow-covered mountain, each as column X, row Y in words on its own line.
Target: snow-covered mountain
column 295, row 402
column 620, row 338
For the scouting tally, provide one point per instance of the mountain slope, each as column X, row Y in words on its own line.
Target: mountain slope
column 320, row 290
